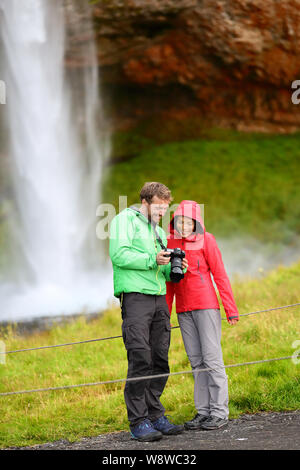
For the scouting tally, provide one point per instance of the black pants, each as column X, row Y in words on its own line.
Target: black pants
column 146, row 335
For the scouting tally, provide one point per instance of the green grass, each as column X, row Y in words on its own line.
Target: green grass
column 248, row 183
column 71, row 414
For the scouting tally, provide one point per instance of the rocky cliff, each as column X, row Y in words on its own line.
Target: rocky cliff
column 229, row 62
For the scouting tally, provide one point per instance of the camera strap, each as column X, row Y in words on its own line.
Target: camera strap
column 158, row 238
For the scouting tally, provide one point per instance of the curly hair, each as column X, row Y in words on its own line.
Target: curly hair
column 151, row 189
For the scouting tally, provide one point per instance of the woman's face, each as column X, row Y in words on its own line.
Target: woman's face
column 184, row 225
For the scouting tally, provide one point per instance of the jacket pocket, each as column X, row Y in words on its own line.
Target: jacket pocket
column 135, row 337
column 165, row 337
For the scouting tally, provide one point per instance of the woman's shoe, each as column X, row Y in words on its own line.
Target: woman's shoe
column 213, row 422
column 196, row 422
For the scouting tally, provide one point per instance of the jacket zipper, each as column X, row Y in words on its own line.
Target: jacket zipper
column 182, row 244
column 200, row 272
column 158, row 280
column 158, row 266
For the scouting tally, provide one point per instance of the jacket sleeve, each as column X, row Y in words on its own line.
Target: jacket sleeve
column 170, row 295
column 167, row 271
column 216, row 265
column 121, row 251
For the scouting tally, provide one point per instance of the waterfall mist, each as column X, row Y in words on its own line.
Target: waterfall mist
column 247, row 257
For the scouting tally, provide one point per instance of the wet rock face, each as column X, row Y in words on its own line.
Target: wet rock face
column 233, row 62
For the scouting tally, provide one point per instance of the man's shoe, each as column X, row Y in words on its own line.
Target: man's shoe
column 145, row 432
column 213, row 422
column 196, row 422
column 164, row 426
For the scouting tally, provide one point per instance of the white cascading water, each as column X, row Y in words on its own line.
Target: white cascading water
column 56, row 158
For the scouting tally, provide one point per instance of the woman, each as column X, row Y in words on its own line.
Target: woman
column 198, row 312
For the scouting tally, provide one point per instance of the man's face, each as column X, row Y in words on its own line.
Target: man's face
column 156, row 209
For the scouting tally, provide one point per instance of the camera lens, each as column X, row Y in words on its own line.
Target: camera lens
column 176, row 265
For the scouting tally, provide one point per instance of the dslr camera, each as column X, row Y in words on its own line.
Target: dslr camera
column 176, row 256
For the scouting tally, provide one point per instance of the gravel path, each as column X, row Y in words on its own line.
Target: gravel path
column 262, row 431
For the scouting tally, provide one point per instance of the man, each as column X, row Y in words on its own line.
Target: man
column 141, row 269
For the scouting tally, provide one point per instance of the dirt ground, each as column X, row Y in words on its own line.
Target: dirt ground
column 262, row 431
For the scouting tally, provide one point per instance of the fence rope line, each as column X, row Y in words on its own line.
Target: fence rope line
column 59, row 345
column 120, row 336
column 267, row 310
column 148, row 377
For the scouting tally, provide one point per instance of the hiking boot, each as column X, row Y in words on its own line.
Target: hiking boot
column 145, row 432
column 196, row 422
column 163, row 425
column 213, row 422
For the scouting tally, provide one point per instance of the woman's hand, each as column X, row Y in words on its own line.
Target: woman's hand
column 185, row 263
column 233, row 321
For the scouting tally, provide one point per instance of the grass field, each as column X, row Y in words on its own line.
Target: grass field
column 47, row 416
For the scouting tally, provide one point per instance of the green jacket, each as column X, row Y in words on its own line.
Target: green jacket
column 133, row 248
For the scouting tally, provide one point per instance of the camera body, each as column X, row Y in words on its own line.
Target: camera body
column 176, row 256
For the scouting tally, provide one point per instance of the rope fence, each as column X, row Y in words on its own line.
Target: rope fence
column 148, row 377
column 120, row 336
column 136, row 379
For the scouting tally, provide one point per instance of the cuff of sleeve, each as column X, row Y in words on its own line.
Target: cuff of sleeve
column 232, row 317
column 152, row 261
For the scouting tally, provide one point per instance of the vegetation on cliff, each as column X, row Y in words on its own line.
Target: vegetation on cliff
column 248, row 183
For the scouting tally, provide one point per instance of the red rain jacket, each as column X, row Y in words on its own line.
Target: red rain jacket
column 196, row 290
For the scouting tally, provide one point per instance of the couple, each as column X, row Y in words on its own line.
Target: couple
column 141, row 271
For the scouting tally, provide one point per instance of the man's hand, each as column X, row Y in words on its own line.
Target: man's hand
column 163, row 258
column 233, row 321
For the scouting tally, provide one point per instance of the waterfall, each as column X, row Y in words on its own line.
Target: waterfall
column 56, row 153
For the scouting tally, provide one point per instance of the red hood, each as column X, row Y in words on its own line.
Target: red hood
column 189, row 209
